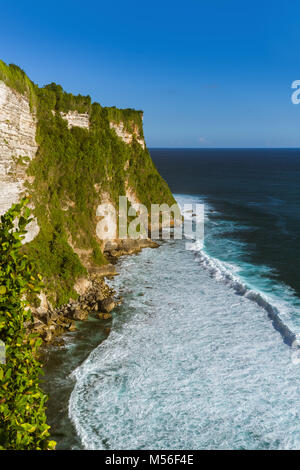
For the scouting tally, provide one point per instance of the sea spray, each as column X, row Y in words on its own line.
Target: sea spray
column 189, row 364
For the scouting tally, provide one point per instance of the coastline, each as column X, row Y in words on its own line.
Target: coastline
column 69, row 347
column 184, row 349
column 66, row 395
column 94, row 295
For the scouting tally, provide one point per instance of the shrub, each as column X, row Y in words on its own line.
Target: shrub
column 22, row 402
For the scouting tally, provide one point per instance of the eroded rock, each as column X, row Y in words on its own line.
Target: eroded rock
column 107, row 305
column 104, row 316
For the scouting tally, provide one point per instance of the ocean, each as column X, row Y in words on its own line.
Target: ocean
column 202, row 351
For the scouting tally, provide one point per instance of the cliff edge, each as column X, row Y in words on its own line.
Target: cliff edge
column 70, row 155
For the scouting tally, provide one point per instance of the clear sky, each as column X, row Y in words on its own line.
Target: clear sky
column 207, row 73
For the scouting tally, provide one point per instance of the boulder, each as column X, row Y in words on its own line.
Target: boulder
column 47, row 336
column 72, row 326
column 44, row 316
column 38, row 325
column 107, row 305
column 104, row 316
column 53, row 315
column 80, row 314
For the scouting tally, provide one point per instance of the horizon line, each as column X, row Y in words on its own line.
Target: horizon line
column 225, row 148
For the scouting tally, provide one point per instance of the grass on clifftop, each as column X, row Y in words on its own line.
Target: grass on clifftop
column 71, row 170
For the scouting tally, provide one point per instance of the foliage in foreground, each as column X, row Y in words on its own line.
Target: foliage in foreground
column 22, row 402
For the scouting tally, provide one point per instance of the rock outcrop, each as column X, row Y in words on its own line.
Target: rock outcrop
column 72, row 174
column 17, row 148
column 76, row 119
column 51, row 323
column 125, row 135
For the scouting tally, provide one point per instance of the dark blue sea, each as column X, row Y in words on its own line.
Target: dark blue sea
column 203, row 350
column 253, row 216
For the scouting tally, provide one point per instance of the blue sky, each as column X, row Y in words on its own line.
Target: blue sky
column 206, row 73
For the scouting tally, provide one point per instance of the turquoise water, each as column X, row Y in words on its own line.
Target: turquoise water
column 189, row 364
column 252, row 198
column 201, row 354
column 255, row 198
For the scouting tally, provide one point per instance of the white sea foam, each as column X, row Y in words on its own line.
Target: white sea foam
column 193, row 360
column 283, row 308
column 188, row 364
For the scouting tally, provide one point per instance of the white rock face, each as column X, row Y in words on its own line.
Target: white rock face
column 132, row 197
column 126, row 136
column 76, row 119
column 17, row 140
column 82, row 285
column 107, row 214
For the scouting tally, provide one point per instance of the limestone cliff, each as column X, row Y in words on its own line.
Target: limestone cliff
column 17, row 148
column 75, row 119
column 70, row 155
column 125, row 135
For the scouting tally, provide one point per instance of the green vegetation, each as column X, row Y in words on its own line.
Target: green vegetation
column 133, row 120
column 17, row 79
column 65, row 102
column 71, row 171
column 22, row 403
column 72, row 168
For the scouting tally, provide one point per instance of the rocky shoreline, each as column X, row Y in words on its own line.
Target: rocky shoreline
column 95, row 295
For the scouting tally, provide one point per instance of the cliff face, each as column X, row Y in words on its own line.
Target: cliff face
column 70, row 155
column 75, row 119
column 126, row 136
column 17, row 148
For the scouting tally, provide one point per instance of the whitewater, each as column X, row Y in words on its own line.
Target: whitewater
column 199, row 356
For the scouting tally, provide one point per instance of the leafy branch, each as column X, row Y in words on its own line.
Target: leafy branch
column 22, row 402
